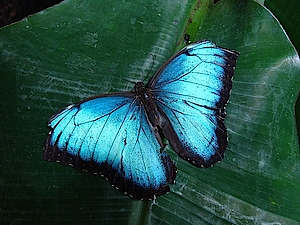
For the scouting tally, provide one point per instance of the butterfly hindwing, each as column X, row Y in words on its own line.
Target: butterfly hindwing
column 110, row 135
column 191, row 91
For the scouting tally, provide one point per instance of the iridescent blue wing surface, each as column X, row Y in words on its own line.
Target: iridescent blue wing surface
column 191, row 91
column 110, row 135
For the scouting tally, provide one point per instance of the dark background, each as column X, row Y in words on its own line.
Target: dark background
column 15, row 10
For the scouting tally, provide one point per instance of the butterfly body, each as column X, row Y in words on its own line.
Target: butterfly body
column 118, row 135
column 148, row 102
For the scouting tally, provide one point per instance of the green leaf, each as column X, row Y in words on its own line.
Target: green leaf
column 82, row 48
column 288, row 14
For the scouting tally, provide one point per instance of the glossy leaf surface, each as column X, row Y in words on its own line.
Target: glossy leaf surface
column 79, row 49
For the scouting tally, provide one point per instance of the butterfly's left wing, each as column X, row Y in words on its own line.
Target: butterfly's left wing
column 110, row 135
column 191, row 91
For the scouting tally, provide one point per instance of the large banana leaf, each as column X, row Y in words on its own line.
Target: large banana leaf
column 81, row 48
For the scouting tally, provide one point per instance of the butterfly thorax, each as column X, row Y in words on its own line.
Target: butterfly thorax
column 147, row 100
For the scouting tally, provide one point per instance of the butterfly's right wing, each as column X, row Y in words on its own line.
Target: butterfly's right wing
column 110, row 135
column 192, row 90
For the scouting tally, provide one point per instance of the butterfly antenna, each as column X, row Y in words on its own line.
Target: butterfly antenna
column 153, row 60
column 122, row 78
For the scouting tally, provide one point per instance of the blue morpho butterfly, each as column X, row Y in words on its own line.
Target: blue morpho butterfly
column 118, row 135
